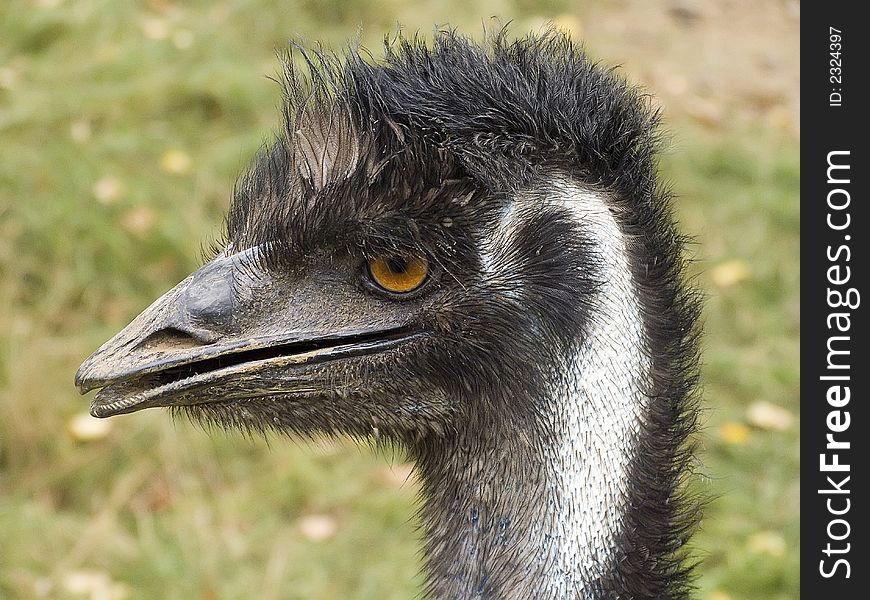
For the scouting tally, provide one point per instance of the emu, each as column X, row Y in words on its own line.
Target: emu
column 463, row 250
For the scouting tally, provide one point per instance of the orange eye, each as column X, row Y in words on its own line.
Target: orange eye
column 399, row 274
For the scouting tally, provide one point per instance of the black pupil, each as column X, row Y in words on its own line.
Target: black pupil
column 397, row 264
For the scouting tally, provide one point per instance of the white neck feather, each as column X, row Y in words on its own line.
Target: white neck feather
column 600, row 404
column 604, row 399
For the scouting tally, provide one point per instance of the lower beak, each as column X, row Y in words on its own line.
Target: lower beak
column 182, row 379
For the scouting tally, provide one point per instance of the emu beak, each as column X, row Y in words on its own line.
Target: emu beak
column 211, row 337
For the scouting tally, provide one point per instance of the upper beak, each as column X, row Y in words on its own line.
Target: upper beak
column 186, row 322
column 191, row 337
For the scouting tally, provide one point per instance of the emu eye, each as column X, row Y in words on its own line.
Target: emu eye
column 399, row 274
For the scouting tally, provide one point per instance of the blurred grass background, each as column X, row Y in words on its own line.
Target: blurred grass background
column 122, row 127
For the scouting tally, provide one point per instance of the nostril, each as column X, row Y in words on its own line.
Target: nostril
column 171, row 338
column 208, row 301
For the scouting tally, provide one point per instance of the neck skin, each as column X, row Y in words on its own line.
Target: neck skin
column 511, row 513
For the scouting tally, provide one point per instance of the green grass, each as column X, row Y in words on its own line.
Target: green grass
column 95, row 91
column 740, row 199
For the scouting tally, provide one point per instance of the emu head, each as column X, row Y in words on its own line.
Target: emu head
column 378, row 273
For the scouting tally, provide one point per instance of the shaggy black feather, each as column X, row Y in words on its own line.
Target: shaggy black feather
column 422, row 152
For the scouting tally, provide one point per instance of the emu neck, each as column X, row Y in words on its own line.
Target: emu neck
column 514, row 513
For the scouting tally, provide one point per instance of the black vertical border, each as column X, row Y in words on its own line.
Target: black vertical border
column 826, row 128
